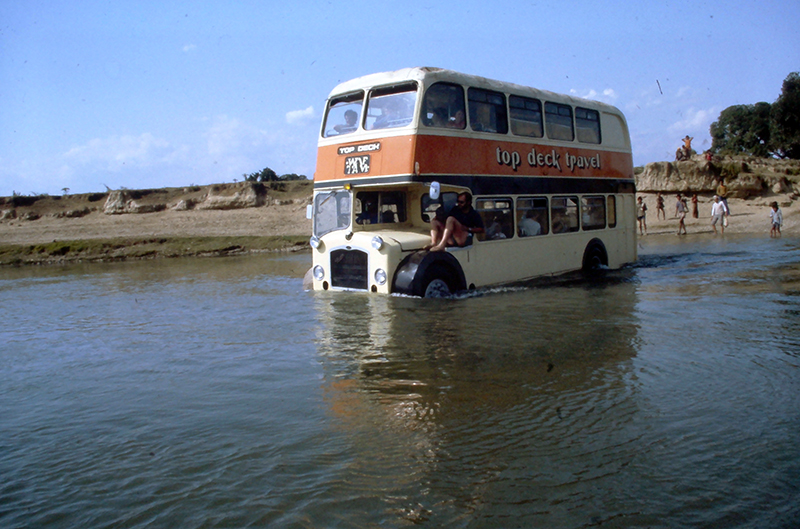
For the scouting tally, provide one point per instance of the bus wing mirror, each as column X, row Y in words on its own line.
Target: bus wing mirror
column 309, row 211
column 434, row 192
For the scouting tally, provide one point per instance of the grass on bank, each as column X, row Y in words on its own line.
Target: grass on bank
column 122, row 249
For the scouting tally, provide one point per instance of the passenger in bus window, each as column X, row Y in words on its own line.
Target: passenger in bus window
column 369, row 213
column 561, row 223
column 495, row 230
column 350, row 123
column 389, row 115
column 462, row 221
column 438, row 118
column 529, row 226
column 457, row 121
column 387, row 217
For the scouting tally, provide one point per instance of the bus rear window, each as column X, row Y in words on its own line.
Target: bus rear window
column 558, row 121
column 343, row 114
column 587, row 123
column 391, row 107
column 487, row 111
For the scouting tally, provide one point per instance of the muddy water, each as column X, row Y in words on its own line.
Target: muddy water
column 215, row 393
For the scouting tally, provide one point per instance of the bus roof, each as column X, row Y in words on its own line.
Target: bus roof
column 433, row 75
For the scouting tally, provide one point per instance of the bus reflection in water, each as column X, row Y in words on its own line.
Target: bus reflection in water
column 551, row 176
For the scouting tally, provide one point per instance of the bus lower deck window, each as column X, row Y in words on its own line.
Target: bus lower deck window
column 532, row 218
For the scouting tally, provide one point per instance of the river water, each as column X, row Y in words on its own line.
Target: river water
column 216, row 393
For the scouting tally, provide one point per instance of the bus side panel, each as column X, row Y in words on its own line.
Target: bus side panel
column 522, row 258
column 528, row 257
column 393, row 157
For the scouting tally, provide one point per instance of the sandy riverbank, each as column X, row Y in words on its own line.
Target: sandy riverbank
column 76, row 227
column 749, row 216
column 53, row 237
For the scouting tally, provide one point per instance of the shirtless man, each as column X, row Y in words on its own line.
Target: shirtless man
column 461, row 222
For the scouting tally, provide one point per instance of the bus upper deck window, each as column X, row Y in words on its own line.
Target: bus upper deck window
column 343, row 114
column 558, row 121
column 443, row 106
column 391, row 107
column 587, row 123
column 487, row 111
column 526, row 116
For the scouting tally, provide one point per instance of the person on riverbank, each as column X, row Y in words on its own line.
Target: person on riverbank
column 777, row 220
column 680, row 212
column 717, row 214
column 722, row 191
column 641, row 215
column 660, row 207
column 695, row 211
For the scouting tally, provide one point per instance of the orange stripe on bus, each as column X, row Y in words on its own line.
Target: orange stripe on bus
column 468, row 156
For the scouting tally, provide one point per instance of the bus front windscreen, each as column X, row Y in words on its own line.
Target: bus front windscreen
column 331, row 212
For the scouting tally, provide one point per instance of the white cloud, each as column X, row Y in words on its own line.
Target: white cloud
column 118, row 151
column 230, row 136
column 189, row 47
column 606, row 96
column 300, row 116
column 694, row 120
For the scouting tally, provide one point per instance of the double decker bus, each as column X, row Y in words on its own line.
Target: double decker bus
column 551, row 176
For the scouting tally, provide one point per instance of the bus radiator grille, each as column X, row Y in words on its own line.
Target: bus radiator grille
column 349, row 269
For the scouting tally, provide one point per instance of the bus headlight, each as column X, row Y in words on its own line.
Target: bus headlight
column 319, row 273
column 377, row 242
column 380, row 276
column 315, row 242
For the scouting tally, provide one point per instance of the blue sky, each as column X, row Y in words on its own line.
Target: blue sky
column 142, row 94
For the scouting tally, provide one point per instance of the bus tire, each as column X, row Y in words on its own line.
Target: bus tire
column 417, row 271
column 438, row 282
column 595, row 257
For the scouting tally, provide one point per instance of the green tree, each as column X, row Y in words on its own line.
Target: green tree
column 742, row 129
column 785, row 119
column 267, row 175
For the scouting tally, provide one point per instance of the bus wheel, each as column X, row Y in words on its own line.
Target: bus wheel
column 594, row 257
column 437, row 283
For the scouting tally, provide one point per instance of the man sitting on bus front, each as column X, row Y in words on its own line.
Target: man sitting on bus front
column 461, row 222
